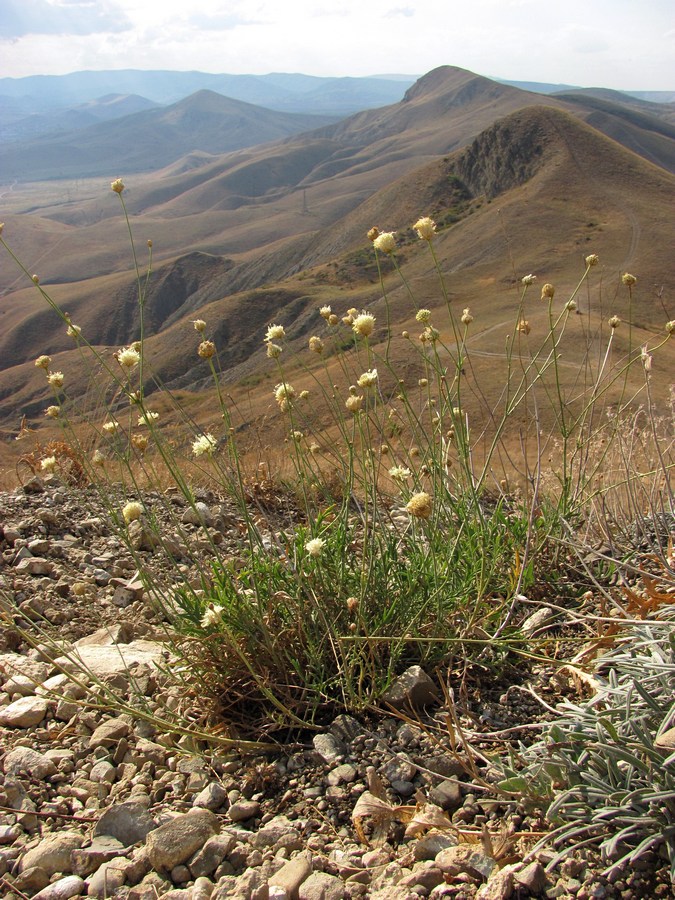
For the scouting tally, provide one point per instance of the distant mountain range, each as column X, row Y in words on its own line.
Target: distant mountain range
column 517, row 181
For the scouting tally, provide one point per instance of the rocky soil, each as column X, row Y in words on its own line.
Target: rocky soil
column 97, row 800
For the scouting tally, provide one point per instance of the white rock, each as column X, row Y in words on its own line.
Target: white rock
column 102, row 661
column 23, row 713
column 53, row 852
column 26, row 761
column 63, row 889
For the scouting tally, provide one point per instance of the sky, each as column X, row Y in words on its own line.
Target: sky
column 620, row 44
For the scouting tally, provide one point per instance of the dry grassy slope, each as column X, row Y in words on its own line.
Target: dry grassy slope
column 558, row 189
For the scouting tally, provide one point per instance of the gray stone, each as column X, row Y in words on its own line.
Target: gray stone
column 35, row 565
column 344, row 774
column 116, row 659
column 109, row 733
column 23, row 713
column 399, row 768
column 320, row 886
column 210, row 856
column 330, row 748
column 499, row 886
column 447, row 794
column 106, row 879
column 533, row 877
column 212, row 797
column 413, row 689
column 25, row 761
column 53, row 853
column 129, row 822
column 175, row 842
column 431, row 844
column 102, row 849
column 465, row 858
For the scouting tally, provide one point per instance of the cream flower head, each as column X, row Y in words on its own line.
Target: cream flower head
column 43, row 362
column 364, row 324
column 128, row 357
column 368, row 379
column 354, row 403
column 212, row 616
column 132, row 510
column 53, row 412
column 55, row 379
column 385, row 242
column 117, row 185
column 420, row 505
column 425, row 228
column 423, row 316
column 48, row 463
column 275, row 333
column 199, row 325
column 204, row 444
column 206, row 349
column 315, row 546
column 467, row 318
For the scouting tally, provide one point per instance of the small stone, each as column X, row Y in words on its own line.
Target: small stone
column 413, row 689
column 106, row 879
column 344, row 774
column 35, row 565
column 63, row 889
column 103, row 848
column 109, row 733
column 207, row 859
column 320, row 886
column 212, row 797
column 330, row 748
column 243, row 810
column 399, row 768
column 431, row 844
column 465, row 858
column 498, row 887
column 292, row 874
column 532, row 877
column 447, row 794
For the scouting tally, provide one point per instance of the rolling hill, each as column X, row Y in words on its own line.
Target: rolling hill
column 515, row 182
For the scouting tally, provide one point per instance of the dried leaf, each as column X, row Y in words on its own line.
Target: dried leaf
column 426, row 817
column 581, row 678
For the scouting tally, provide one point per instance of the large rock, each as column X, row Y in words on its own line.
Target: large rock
column 25, row 761
column 24, row 713
column 175, row 842
column 129, row 822
column 53, row 853
column 116, row 659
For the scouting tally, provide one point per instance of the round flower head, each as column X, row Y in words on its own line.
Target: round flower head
column 467, row 318
column 528, row 279
column 74, row 331
column 140, row 442
column 284, row 393
column 204, row 444
column 98, row 459
column 670, row 326
column 364, row 324
column 425, row 228
column 206, row 349
column 547, row 292
column 274, row 351
column 592, row 260
column 117, row 185
column 199, row 325
column 372, row 234
column 110, row 427
column 368, row 379
column 43, row 362
column 315, row 546
column 400, row 473
column 128, row 357
column 212, row 616
column 316, row 344
column 48, row 464
column 53, row 412
column 419, row 506
column 55, row 379
column 571, row 305
column 275, row 333
column 147, row 417
column 325, row 312
column 385, row 242
column 614, row 322
column 132, row 510
column 628, row 279
column 332, row 319
column 423, row 315
column 354, row 403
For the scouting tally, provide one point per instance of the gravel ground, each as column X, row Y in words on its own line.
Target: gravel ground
column 96, row 800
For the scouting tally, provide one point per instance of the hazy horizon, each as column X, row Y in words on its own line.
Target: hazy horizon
column 596, row 43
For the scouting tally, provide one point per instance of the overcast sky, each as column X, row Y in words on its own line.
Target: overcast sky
column 622, row 44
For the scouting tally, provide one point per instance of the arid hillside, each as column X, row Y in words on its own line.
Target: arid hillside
column 273, row 232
